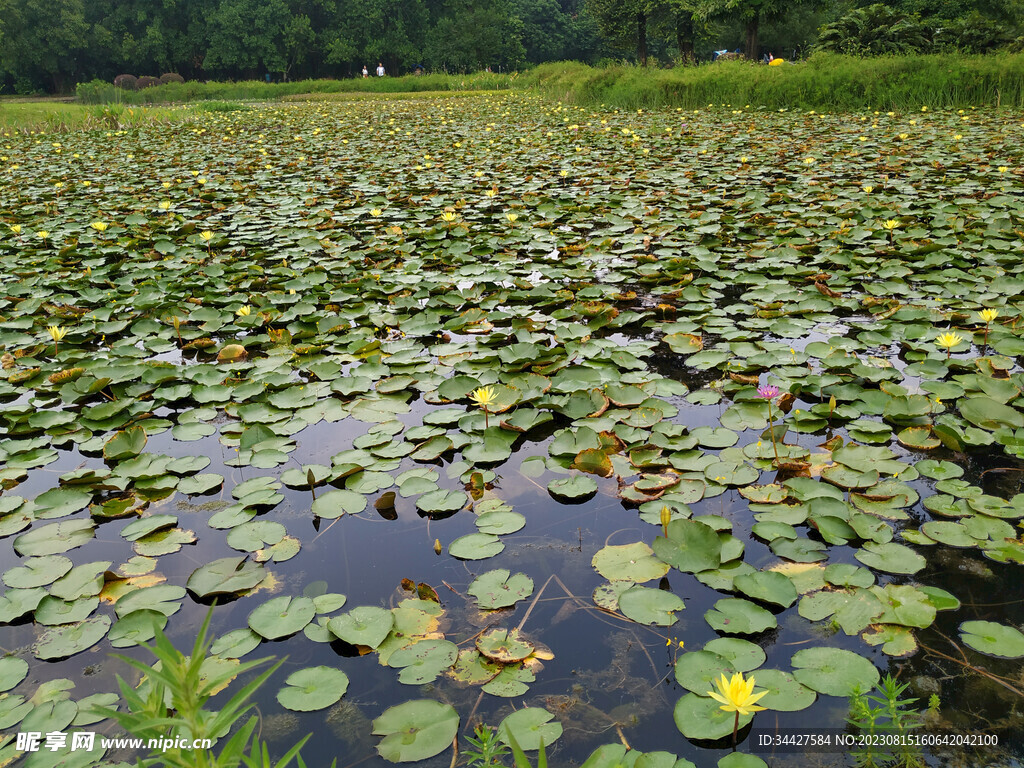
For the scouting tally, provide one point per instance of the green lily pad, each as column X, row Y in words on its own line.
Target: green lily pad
column 736, row 616
column 742, row 654
column 281, row 616
column 69, row 639
column 530, row 727
column 629, row 562
column 499, row 589
column 125, row 444
column 834, row 671
column 699, row 717
column 136, row 627
column 690, row 546
column 365, row 625
column 424, row 660
column 416, row 730
column 37, row 572
column 226, row 576
column 697, row 671
column 235, row 644
column 891, row 558
column 312, row 689
column 767, row 586
column 55, row 538
column 650, row 606
column 12, row 671
column 475, row 546
column 993, row 639
column 334, row 504
column 784, row 692
column 575, row 487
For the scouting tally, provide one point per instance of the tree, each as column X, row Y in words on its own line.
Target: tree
column 42, row 41
column 624, row 23
column 752, row 13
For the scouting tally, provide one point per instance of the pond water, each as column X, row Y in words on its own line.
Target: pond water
column 520, row 335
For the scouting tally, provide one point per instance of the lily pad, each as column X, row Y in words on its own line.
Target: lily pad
column 313, row 688
column 699, row 717
column 226, row 576
column 499, row 589
column 475, row 546
column 365, row 625
column 834, row 671
column 416, row 730
column 993, row 639
column 629, row 562
column 529, row 727
column 891, row 558
column 784, row 692
column 69, row 639
column 736, row 616
column 281, row 616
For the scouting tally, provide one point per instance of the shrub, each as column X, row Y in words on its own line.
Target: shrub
column 171, row 77
column 146, row 81
column 127, row 82
column 95, row 92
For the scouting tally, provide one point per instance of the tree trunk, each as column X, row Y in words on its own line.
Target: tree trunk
column 684, row 36
column 752, row 26
column 641, row 38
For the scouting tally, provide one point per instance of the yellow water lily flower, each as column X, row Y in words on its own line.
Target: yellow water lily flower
column 448, row 217
column 207, row 235
column 375, row 212
column 1004, row 168
column 512, row 217
column 867, row 188
column 99, row 226
column 16, row 229
column 244, row 311
column 890, row 224
column 57, row 332
column 948, row 340
column 737, row 695
column 165, row 205
column 484, row 396
column 988, row 315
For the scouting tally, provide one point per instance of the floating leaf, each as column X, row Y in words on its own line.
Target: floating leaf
column 650, row 606
column 365, row 625
column 226, row 576
column 281, row 616
column 993, row 639
column 834, row 671
column 530, row 727
column 313, row 688
column 499, row 589
column 629, row 562
column 416, row 730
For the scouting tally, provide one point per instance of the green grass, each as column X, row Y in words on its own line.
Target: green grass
column 54, row 116
column 823, row 82
column 98, row 92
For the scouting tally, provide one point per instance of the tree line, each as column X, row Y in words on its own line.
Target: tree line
column 49, row 45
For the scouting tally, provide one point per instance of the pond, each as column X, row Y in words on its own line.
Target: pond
column 501, row 410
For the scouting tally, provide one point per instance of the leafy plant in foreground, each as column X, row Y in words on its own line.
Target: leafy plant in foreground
column 885, row 713
column 170, row 704
column 487, row 750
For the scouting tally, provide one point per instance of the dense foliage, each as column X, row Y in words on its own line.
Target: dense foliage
column 481, row 404
column 52, row 44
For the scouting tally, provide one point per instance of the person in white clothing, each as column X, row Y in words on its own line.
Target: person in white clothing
column 380, row 69
column 366, row 72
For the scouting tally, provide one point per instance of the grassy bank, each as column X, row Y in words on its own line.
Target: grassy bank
column 54, row 116
column 98, row 92
column 823, row 82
